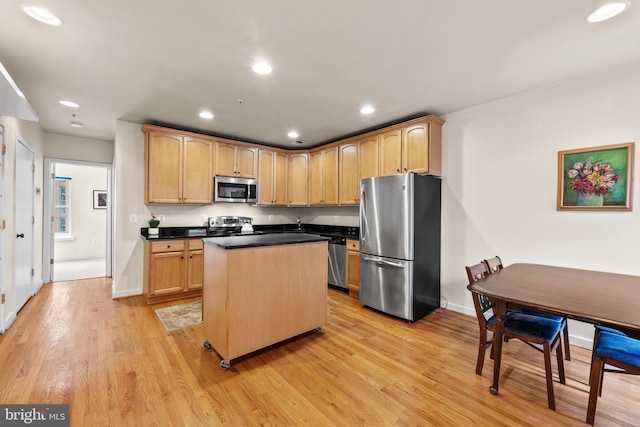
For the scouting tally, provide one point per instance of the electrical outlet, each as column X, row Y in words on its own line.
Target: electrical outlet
column 161, row 218
column 336, row 218
column 133, row 218
column 203, row 218
column 270, row 218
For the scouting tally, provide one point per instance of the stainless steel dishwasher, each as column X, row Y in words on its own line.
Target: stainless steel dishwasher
column 338, row 262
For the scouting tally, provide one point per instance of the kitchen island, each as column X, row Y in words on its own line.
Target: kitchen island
column 262, row 289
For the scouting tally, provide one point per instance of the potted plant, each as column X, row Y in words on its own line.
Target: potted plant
column 154, row 222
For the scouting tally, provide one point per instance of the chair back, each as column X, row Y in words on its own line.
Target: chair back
column 481, row 303
column 494, row 264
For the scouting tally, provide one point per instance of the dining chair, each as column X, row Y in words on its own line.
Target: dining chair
column 495, row 264
column 540, row 333
column 614, row 348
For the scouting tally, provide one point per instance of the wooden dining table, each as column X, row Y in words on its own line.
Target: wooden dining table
column 596, row 297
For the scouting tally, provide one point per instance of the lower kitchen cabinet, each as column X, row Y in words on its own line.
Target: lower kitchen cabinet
column 353, row 268
column 173, row 269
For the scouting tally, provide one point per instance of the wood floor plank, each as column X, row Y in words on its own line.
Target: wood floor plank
column 115, row 364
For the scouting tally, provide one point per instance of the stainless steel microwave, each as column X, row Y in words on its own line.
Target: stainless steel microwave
column 235, row 190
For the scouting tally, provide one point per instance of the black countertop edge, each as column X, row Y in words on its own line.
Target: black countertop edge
column 263, row 240
column 171, row 233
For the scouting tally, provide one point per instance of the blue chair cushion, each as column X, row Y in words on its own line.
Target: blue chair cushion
column 529, row 326
column 610, row 330
column 542, row 314
column 619, row 347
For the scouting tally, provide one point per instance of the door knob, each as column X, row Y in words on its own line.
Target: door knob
column 20, row 235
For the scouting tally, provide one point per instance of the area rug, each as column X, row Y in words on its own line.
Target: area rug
column 180, row 316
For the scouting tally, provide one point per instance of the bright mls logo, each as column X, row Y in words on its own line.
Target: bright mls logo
column 36, row 415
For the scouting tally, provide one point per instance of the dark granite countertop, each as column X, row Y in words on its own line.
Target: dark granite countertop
column 258, row 240
column 170, row 233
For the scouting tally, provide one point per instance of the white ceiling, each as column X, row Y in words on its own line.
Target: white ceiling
column 161, row 61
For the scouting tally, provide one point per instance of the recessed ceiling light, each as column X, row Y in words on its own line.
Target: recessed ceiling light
column 206, row 115
column 69, row 104
column 367, row 109
column 262, row 68
column 293, row 134
column 608, row 11
column 76, row 124
column 42, row 15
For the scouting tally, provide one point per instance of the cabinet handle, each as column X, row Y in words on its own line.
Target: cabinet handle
column 397, row 170
column 168, row 246
column 405, row 169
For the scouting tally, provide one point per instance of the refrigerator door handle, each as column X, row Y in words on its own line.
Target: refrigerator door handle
column 383, row 263
column 363, row 216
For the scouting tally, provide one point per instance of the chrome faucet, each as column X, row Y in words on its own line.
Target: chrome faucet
column 299, row 223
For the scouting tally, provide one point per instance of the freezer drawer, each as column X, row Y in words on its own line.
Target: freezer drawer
column 386, row 285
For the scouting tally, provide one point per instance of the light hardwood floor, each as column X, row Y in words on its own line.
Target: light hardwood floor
column 113, row 362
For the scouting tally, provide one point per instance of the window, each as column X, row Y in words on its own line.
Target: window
column 62, row 211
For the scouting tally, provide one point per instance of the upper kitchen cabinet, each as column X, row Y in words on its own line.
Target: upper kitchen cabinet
column 414, row 146
column 178, row 167
column 368, row 157
column 272, row 177
column 349, row 179
column 298, row 178
column 323, row 177
column 236, row 160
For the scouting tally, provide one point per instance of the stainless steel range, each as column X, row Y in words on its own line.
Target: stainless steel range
column 230, row 225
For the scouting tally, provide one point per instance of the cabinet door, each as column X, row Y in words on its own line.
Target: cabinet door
column 316, row 179
column 197, row 184
column 349, row 181
column 297, row 180
column 368, row 157
column 225, row 159
column 163, row 172
column 166, row 273
column 353, row 273
column 195, row 269
column 330, row 173
column 246, row 162
column 266, row 171
column 390, row 146
column 280, row 179
column 415, row 148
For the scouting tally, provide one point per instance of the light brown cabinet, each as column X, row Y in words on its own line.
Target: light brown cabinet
column 349, row 179
column 173, row 269
column 272, row 177
column 415, row 147
column 323, row 177
column 368, row 157
column 353, row 268
column 298, row 179
column 178, row 168
column 236, row 160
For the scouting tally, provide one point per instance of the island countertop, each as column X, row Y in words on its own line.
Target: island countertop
column 257, row 240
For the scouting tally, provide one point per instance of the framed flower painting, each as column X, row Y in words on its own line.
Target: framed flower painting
column 598, row 178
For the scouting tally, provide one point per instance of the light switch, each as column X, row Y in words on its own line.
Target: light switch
column 133, row 218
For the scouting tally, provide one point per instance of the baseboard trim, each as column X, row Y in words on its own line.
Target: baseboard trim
column 123, row 294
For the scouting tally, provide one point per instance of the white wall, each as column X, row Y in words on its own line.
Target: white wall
column 88, row 225
column 500, row 181
column 74, row 148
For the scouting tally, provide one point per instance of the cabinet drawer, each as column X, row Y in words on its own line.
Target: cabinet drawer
column 353, row 245
column 195, row 244
column 167, row 246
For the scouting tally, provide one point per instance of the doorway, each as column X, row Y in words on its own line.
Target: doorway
column 78, row 237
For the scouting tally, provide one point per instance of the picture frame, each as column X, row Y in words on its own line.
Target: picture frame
column 596, row 178
column 99, row 199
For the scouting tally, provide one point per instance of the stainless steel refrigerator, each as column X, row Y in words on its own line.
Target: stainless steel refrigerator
column 400, row 244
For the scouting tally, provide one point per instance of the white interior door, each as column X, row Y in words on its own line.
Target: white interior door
column 23, row 253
